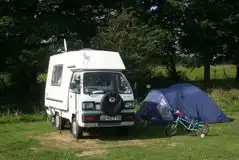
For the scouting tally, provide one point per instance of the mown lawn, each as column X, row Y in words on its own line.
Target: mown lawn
column 39, row 140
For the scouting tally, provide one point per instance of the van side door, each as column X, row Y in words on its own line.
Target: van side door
column 75, row 89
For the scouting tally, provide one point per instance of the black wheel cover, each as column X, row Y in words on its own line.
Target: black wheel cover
column 111, row 104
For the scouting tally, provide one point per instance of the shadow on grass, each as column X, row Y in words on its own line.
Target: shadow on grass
column 152, row 132
column 135, row 133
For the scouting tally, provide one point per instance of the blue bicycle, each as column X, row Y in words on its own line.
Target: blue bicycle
column 198, row 127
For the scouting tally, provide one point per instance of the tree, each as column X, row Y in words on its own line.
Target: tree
column 202, row 31
column 141, row 46
column 170, row 17
column 36, row 30
column 229, row 26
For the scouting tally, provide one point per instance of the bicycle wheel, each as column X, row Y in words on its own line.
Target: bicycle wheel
column 202, row 130
column 171, row 129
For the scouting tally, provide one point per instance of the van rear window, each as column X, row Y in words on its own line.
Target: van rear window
column 57, row 75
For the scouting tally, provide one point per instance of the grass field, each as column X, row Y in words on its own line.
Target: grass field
column 217, row 72
column 39, row 140
column 25, row 137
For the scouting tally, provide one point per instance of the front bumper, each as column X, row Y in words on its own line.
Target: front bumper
column 93, row 120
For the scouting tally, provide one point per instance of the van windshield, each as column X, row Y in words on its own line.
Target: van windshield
column 101, row 82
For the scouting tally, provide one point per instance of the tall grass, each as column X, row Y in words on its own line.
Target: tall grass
column 21, row 118
column 16, row 116
column 227, row 100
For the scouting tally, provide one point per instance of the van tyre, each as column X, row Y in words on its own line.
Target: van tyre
column 76, row 130
column 58, row 122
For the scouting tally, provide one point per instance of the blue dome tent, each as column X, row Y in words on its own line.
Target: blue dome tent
column 160, row 105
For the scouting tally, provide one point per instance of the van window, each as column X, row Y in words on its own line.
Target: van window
column 123, row 84
column 57, row 75
column 76, row 84
column 104, row 82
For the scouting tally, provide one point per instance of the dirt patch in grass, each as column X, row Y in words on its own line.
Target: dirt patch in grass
column 65, row 140
column 88, row 146
column 34, row 149
column 91, row 153
column 174, row 144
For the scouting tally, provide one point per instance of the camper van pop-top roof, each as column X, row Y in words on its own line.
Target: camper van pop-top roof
column 89, row 59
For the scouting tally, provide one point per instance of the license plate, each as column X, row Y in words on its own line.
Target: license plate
column 108, row 118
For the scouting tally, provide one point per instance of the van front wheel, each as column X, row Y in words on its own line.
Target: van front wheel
column 58, row 122
column 76, row 130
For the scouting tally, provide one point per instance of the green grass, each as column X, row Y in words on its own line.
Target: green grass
column 39, row 140
column 30, row 137
column 14, row 118
column 227, row 100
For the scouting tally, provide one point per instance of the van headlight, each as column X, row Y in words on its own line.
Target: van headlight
column 88, row 106
column 129, row 105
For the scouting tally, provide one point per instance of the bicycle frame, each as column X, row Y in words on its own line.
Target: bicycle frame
column 183, row 121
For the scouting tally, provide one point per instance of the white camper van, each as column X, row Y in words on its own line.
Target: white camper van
column 88, row 89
